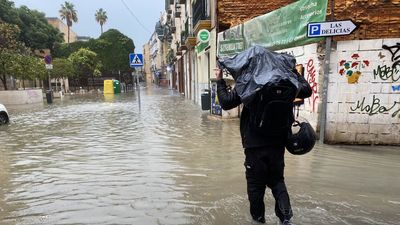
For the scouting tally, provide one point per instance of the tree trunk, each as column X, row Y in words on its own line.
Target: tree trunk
column 68, row 33
column 92, row 81
column 101, row 29
column 3, row 79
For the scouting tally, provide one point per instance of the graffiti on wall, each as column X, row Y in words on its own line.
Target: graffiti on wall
column 388, row 73
column 352, row 68
column 312, row 80
column 395, row 51
column 376, row 107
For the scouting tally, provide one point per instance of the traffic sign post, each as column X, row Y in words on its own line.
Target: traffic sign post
column 328, row 29
column 49, row 94
column 136, row 60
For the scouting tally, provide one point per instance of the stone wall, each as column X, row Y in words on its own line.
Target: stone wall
column 21, row 97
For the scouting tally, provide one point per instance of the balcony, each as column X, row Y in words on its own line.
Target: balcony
column 201, row 16
column 187, row 38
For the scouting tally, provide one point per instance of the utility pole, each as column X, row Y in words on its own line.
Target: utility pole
column 326, row 80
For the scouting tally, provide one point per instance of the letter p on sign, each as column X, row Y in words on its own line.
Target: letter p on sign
column 315, row 29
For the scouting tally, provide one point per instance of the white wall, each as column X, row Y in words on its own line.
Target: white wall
column 364, row 108
column 309, row 57
column 21, row 97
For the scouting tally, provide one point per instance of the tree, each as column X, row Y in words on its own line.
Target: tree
column 68, row 13
column 62, row 68
column 35, row 32
column 10, row 48
column 113, row 49
column 85, row 63
column 28, row 67
column 8, row 12
column 101, row 18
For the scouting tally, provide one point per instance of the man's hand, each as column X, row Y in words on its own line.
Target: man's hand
column 218, row 73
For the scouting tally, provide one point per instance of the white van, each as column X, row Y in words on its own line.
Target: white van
column 3, row 115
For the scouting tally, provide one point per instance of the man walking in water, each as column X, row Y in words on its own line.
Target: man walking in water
column 264, row 161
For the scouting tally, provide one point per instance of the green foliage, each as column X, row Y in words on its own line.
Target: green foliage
column 9, row 34
column 113, row 50
column 62, row 68
column 8, row 12
column 64, row 50
column 10, row 50
column 36, row 33
column 84, row 61
column 28, row 67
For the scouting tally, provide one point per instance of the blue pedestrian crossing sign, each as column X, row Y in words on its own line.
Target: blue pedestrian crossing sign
column 135, row 60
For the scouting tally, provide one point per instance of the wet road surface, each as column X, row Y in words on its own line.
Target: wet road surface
column 95, row 159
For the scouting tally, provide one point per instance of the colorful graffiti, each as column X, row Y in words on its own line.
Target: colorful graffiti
column 395, row 51
column 312, row 80
column 396, row 87
column 352, row 68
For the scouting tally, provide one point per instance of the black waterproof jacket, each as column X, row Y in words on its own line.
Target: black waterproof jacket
column 252, row 138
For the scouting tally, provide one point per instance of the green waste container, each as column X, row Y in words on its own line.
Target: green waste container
column 117, row 87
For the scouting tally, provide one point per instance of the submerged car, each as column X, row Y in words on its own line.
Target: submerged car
column 4, row 119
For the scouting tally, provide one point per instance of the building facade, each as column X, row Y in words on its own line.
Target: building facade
column 363, row 91
column 63, row 28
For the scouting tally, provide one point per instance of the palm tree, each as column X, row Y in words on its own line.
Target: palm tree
column 68, row 13
column 101, row 17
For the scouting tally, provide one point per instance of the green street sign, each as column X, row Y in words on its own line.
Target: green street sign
column 203, row 36
column 230, row 47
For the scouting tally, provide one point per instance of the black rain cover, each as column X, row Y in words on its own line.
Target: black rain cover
column 256, row 67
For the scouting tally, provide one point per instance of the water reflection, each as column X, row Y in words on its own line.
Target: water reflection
column 96, row 159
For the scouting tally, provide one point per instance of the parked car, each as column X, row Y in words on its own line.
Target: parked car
column 3, row 115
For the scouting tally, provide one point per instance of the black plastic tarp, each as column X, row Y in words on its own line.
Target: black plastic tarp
column 256, row 67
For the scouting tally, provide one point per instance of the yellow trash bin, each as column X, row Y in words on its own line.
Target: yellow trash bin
column 108, row 87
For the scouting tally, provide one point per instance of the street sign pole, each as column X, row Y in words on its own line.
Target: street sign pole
column 322, row 114
column 136, row 60
column 138, row 90
column 48, row 73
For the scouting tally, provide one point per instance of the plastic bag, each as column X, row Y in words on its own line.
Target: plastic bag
column 256, row 67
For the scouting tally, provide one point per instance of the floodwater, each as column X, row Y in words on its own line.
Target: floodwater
column 93, row 159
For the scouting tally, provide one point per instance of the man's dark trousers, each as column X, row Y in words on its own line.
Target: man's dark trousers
column 265, row 167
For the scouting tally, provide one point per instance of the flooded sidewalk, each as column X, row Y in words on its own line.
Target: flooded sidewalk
column 94, row 159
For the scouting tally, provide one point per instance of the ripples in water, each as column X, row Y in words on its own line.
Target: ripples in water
column 98, row 160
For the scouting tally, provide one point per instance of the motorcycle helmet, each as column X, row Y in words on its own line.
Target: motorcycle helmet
column 302, row 141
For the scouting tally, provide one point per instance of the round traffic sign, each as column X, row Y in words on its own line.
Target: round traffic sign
column 48, row 59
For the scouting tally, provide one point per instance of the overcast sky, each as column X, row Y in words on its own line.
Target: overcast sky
column 119, row 17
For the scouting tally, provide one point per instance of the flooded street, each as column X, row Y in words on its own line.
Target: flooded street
column 92, row 159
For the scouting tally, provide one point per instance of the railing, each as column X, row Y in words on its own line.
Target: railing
column 200, row 11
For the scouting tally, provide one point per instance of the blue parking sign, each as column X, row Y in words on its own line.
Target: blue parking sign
column 314, row 30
